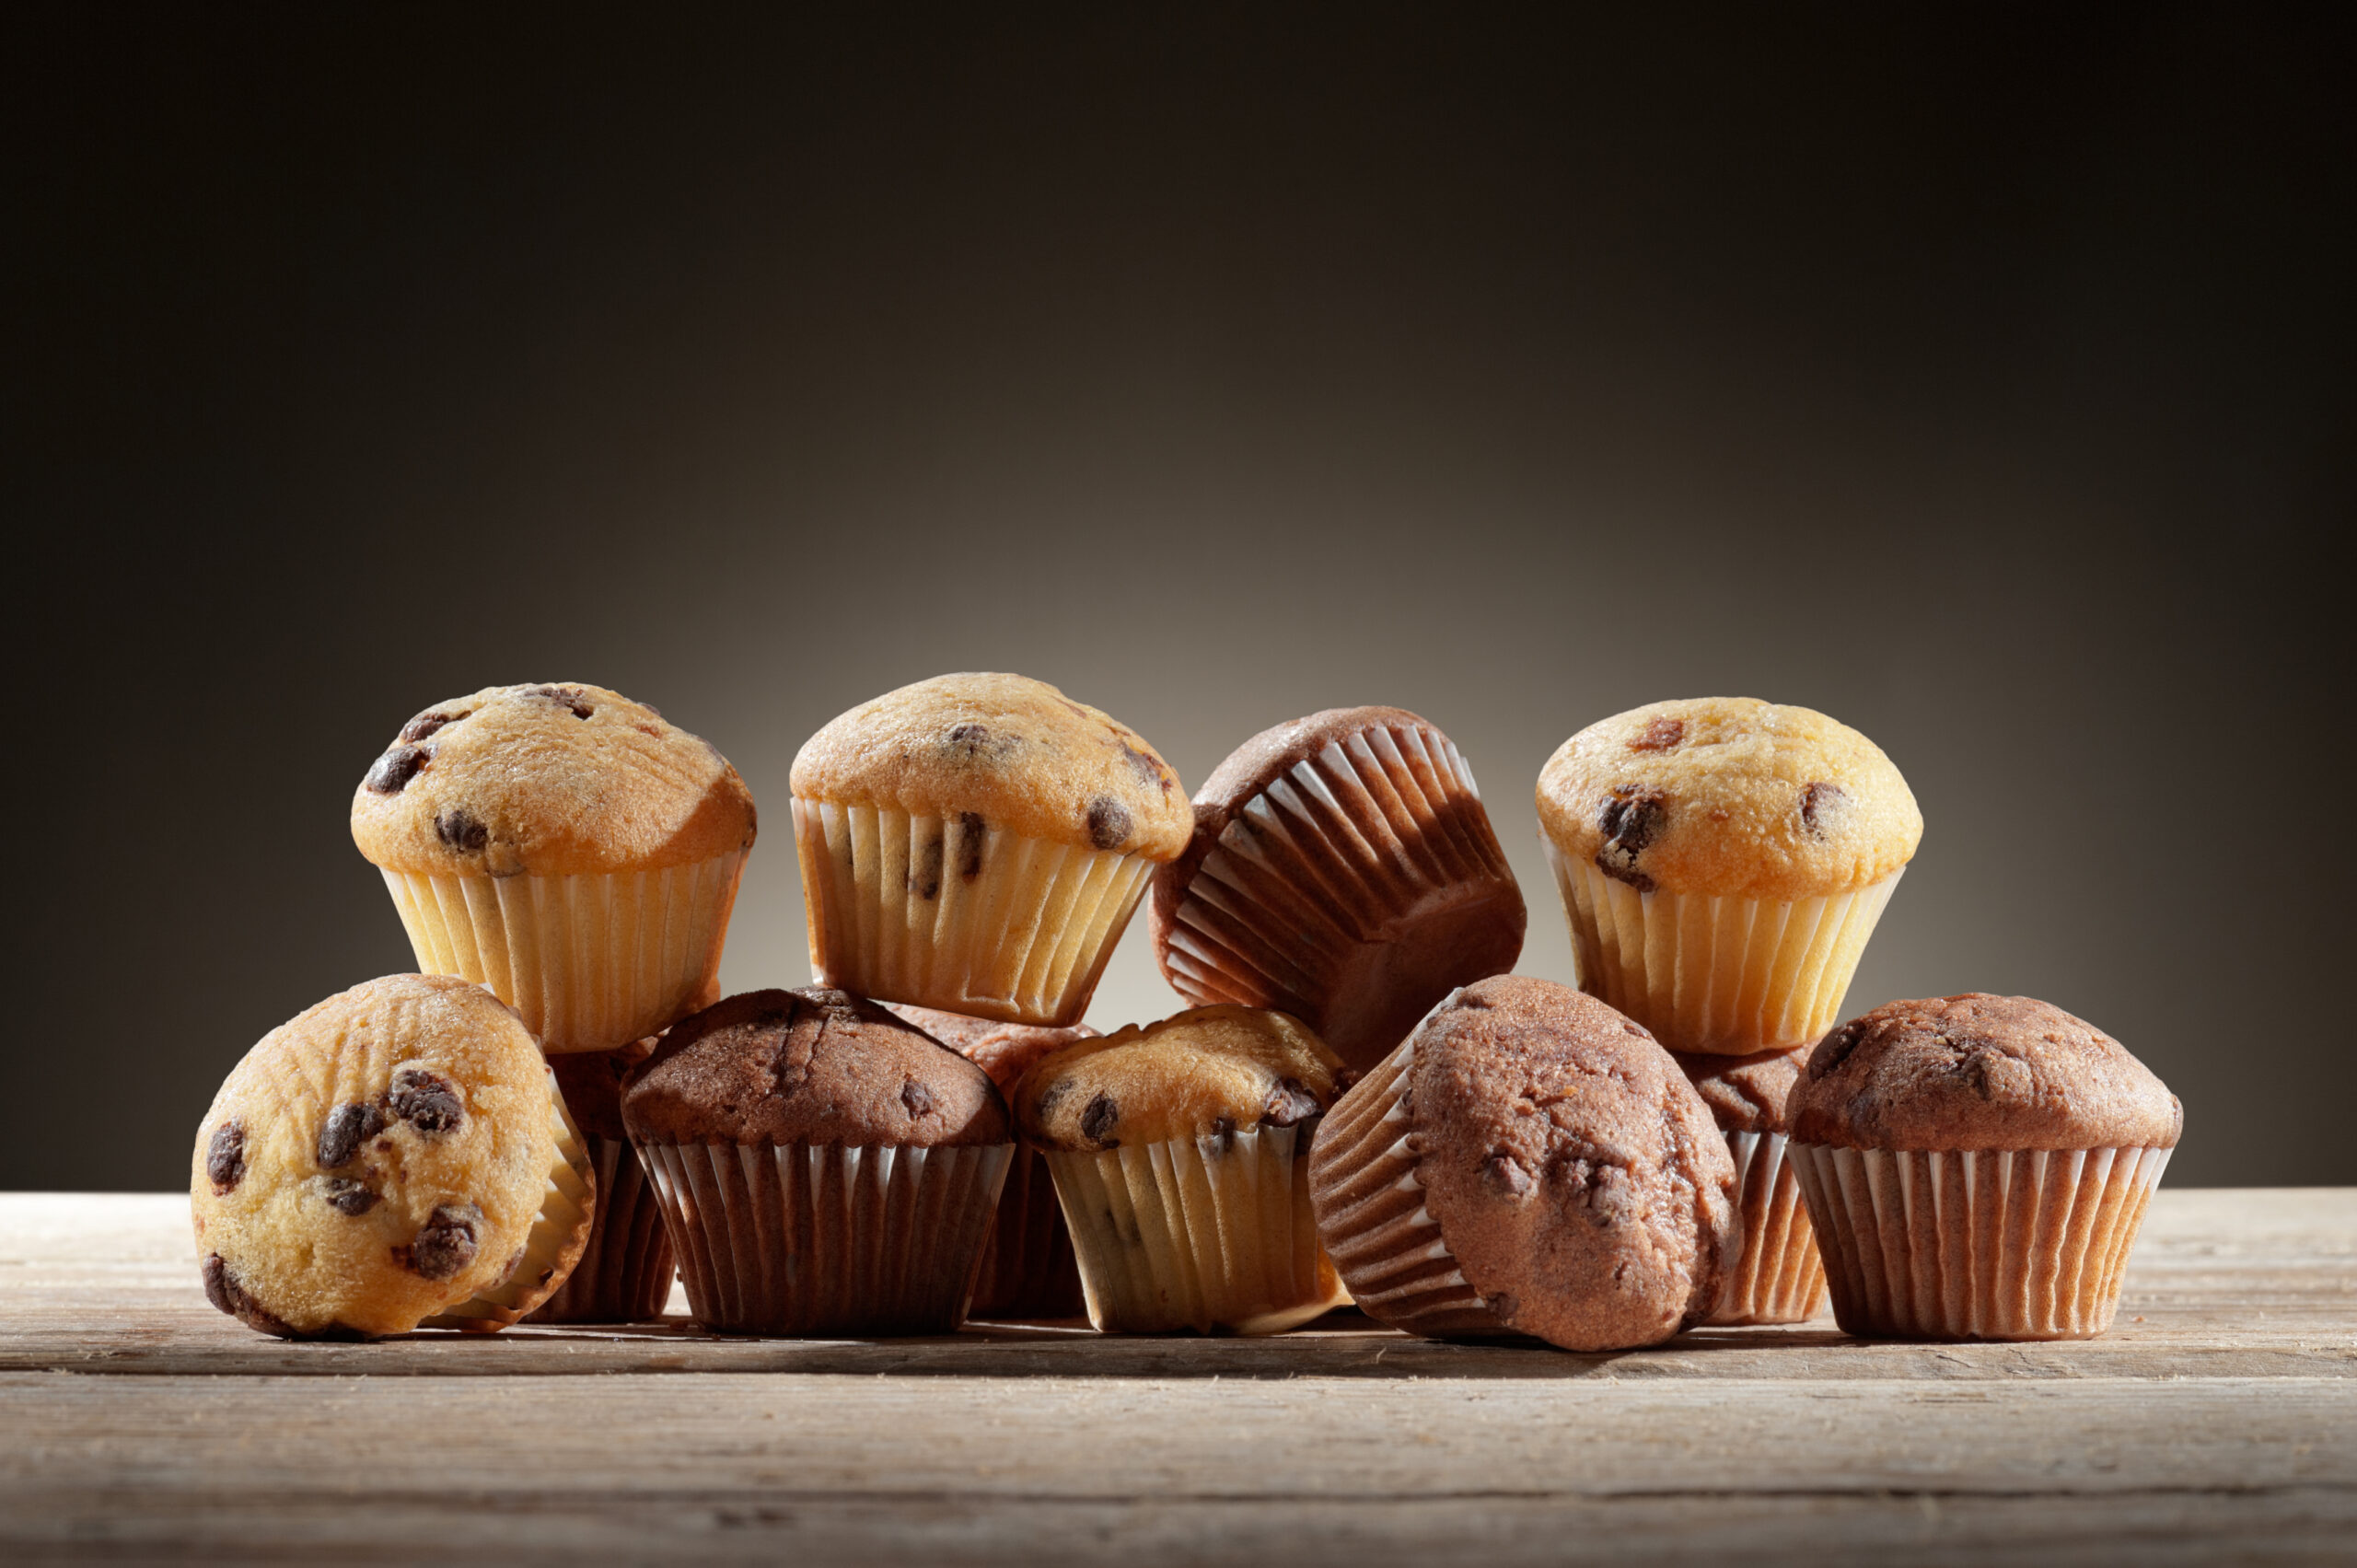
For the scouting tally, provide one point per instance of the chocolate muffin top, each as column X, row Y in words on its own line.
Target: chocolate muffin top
column 1015, row 753
column 1573, row 1172
column 1746, row 1094
column 591, row 1082
column 810, row 1066
column 549, row 780
column 1980, row 1072
column 1004, row 1050
column 1200, row 1073
column 1729, row 798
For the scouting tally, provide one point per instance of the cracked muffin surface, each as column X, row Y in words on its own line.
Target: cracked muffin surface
column 1197, row 1074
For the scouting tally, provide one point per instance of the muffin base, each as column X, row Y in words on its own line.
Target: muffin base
column 1723, row 976
column 558, row 1239
column 809, row 1240
column 1358, row 888
column 1963, row 1245
column 894, row 915
column 1373, row 1220
column 625, row 1272
column 1780, row 1277
column 1028, row 1266
column 592, row 962
column 1212, row 1235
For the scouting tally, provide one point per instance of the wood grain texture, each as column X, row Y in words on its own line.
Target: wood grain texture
column 2219, row 1418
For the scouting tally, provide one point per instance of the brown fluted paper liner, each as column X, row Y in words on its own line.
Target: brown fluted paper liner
column 1299, row 905
column 625, row 1272
column 592, row 962
column 559, row 1236
column 1372, row 1218
column 1956, row 1245
column 1027, row 1268
column 1780, row 1277
column 954, row 914
column 1723, row 976
column 815, row 1240
column 1211, row 1234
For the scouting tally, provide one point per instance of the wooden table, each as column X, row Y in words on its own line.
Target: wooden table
column 2219, row 1418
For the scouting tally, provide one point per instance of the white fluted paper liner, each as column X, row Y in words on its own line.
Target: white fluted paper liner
column 1334, row 854
column 1373, row 1219
column 1721, row 975
column 568, row 1208
column 1780, row 1277
column 592, row 962
column 960, row 914
column 813, row 1240
column 2006, row 1245
column 1211, row 1234
column 625, row 1272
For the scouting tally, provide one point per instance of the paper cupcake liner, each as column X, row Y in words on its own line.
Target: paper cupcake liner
column 568, row 1211
column 1372, row 1218
column 1976, row 1245
column 1211, row 1233
column 1028, row 1266
column 1329, row 861
column 625, row 1272
column 954, row 914
column 815, row 1240
column 1722, row 975
column 592, row 962
column 1781, row 1276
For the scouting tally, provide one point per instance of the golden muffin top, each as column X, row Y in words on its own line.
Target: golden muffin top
column 1015, row 753
column 1206, row 1072
column 550, row 781
column 379, row 1157
column 1729, row 796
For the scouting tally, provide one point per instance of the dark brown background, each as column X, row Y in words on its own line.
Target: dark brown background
column 1985, row 383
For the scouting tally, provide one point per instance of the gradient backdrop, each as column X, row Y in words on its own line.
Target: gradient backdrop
column 1985, row 383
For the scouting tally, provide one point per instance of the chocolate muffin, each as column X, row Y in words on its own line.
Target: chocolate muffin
column 1028, row 1267
column 1177, row 1151
column 1781, row 1278
column 1977, row 1166
column 1529, row 1162
column 824, row 1167
column 1342, row 870
column 977, row 843
column 395, row 1154
column 625, row 1272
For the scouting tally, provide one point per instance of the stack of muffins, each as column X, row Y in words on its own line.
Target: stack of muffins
column 1361, row 1102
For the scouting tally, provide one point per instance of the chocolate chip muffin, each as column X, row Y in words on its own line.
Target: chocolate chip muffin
column 1028, row 1267
column 824, row 1167
column 626, row 1269
column 1177, row 1151
column 1978, row 1168
column 1723, row 862
column 564, row 846
column 1529, row 1162
column 1781, row 1279
column 392, row 1156
column 1342, row 870
column 976, row 844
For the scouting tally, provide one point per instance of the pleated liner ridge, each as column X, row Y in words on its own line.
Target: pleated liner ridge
column 813, row 1239
column 1027, row 1268
column 625, row 1272
column 1315, row 866
column 557, row 1237
column 1781, row 1278
column 1372, row 1217
column 592, row 962
column 1716, row 974
column 1211, row 1233
column 2026, row 1245
column 955, row 913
